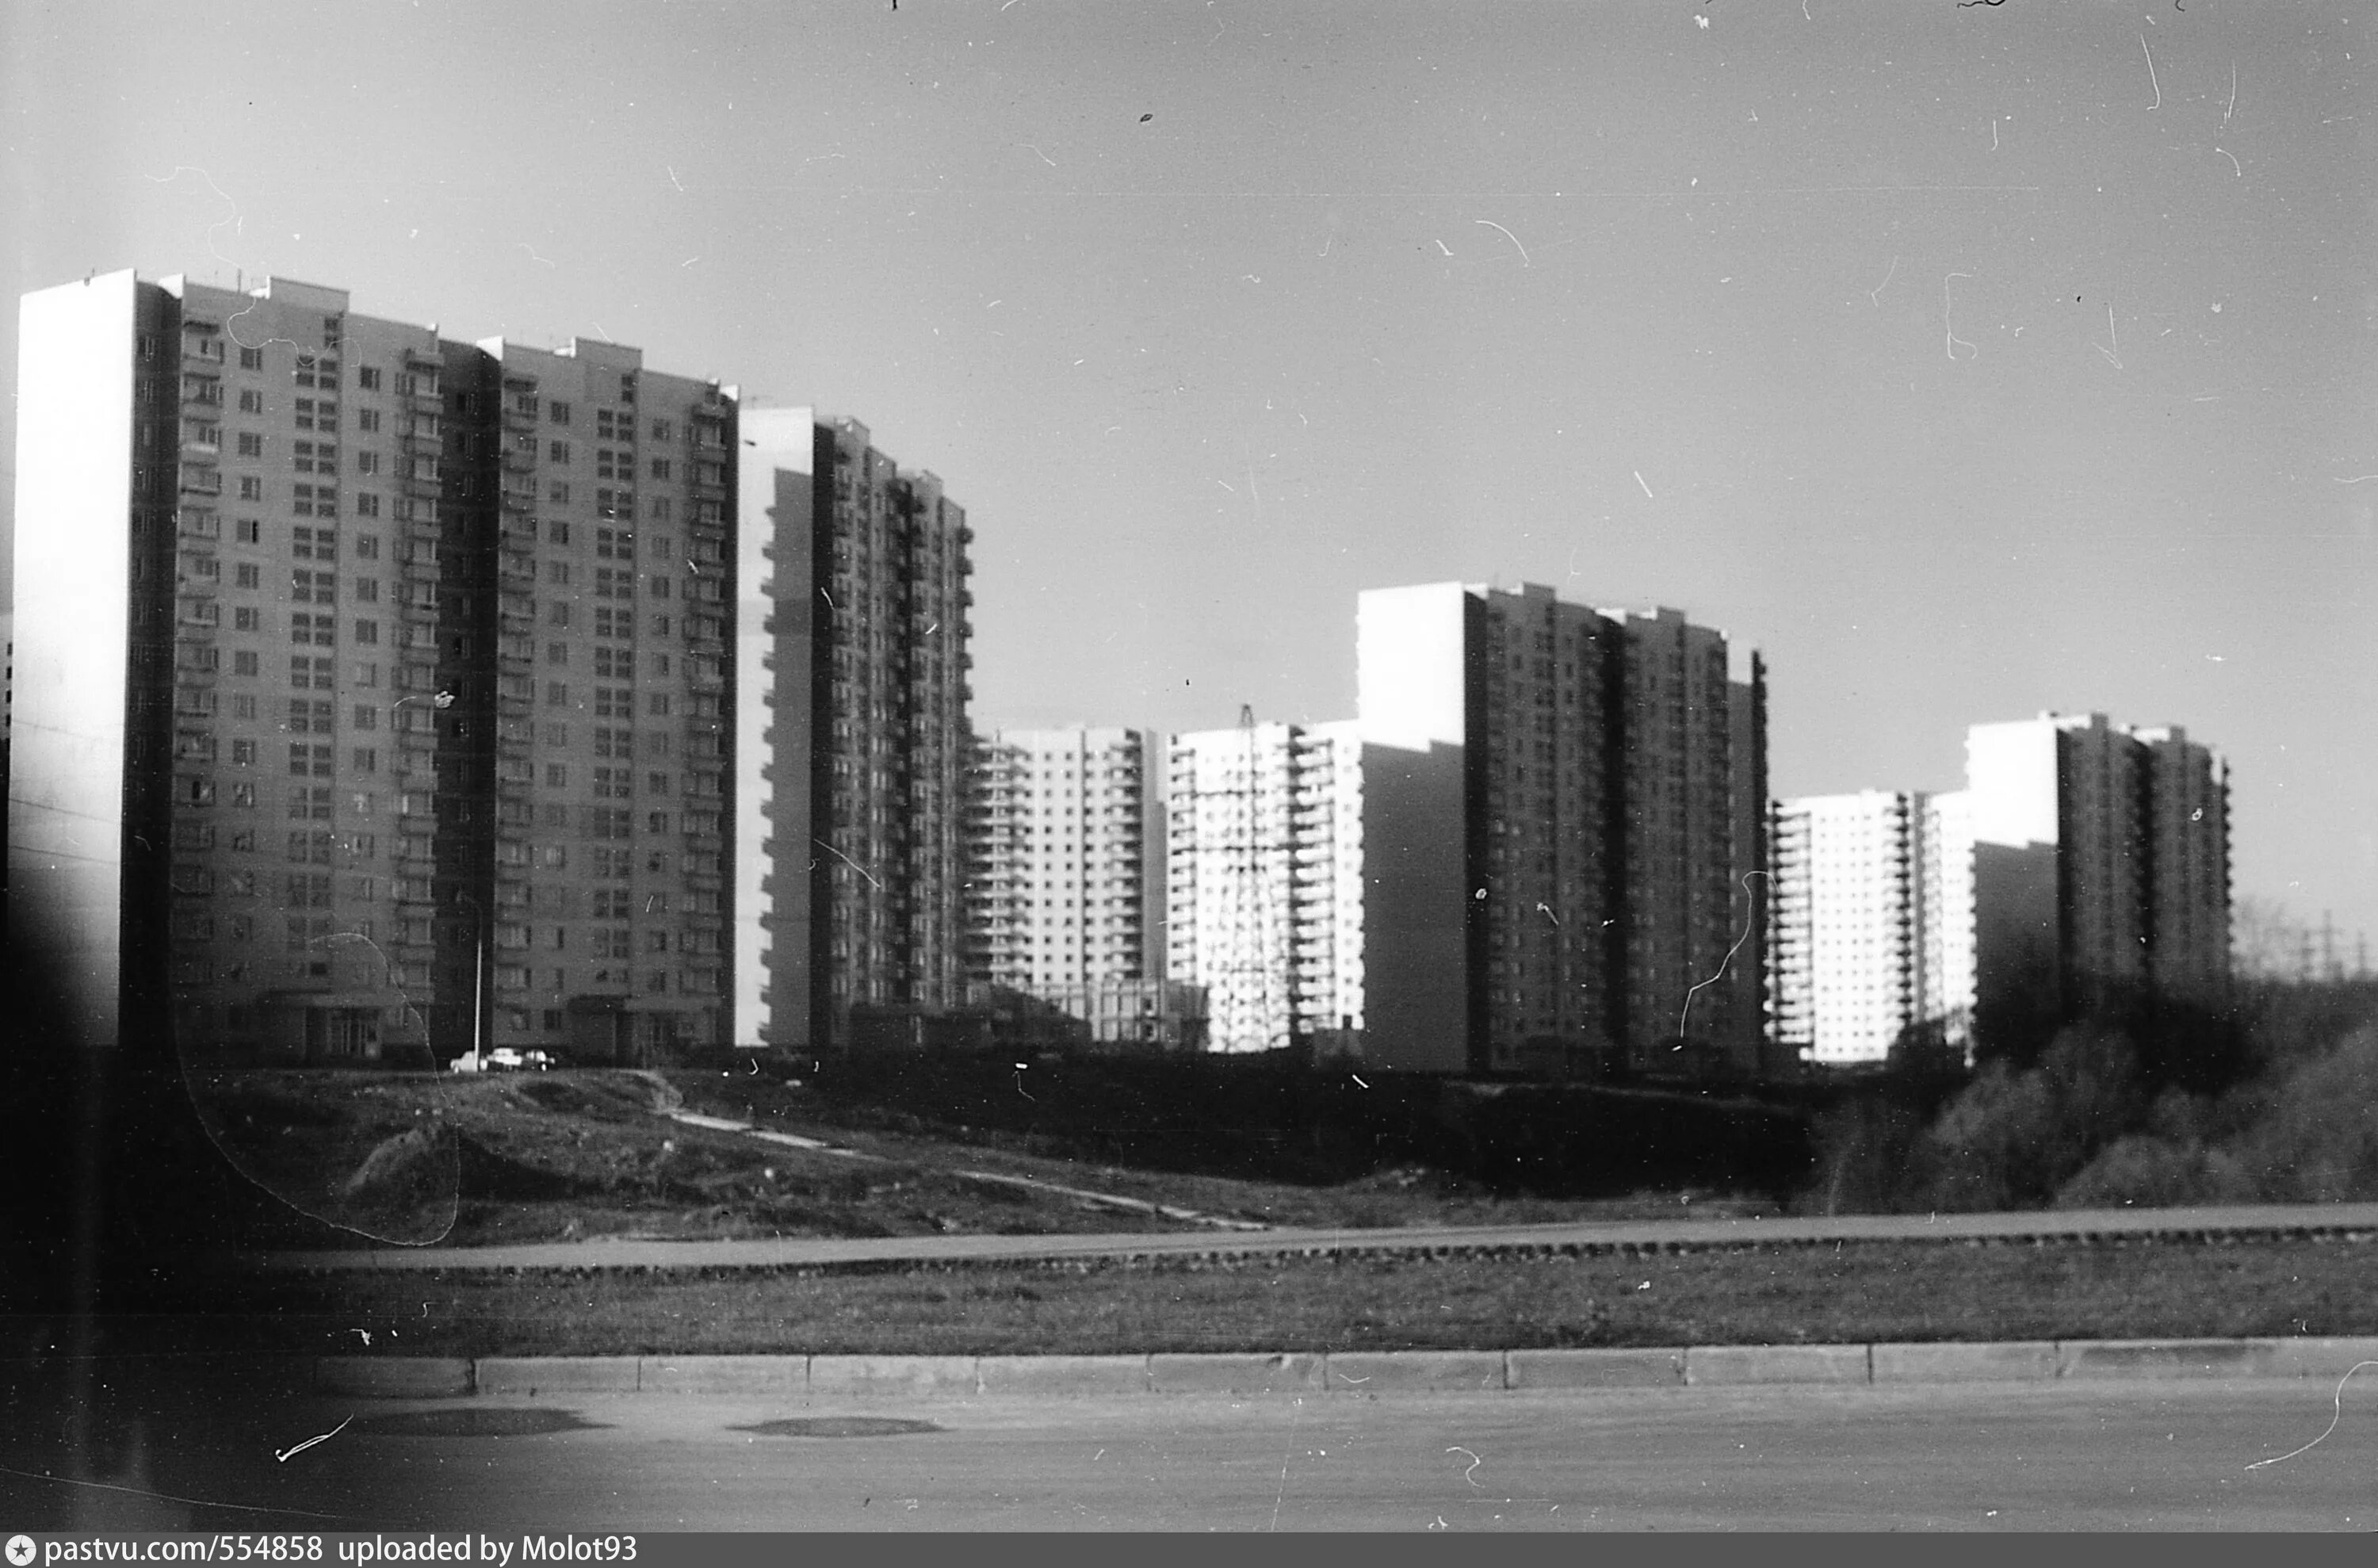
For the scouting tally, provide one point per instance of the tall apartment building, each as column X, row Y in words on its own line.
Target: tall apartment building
column 399, row 695
column 1263, row 883
column 851, row 693
column 1565, row 827
column 2101, row 866
column 1873, row 932
column 379, row 676
column 1066, row 841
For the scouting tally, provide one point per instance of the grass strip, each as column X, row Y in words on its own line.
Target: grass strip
column 1850, row 1293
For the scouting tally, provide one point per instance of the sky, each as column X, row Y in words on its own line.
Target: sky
column 1967, row 361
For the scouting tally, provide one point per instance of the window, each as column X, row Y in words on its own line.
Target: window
column 611, row 583
column 251, row 358
column 366, row 589
column 557, row 693
column 613, row 783
column 314, row 672
column 367, row 463
column 558, row 493
column 246, row 575
column 251, row 444
column 368, row 631
column 559, row 451
column 367, row 760
column 250, row 487
column 321, row 630
column 557, row 775
column 660, row 508
column 314, row 544
column 367, row 419
column 613, row 701
column 559, row 411
column 614, row 664
column 557, row 573
column 305, row 716
column 304, row 759
column 248, row 531
column 366, row 716
column 317, row 587
column 660, row 467
column 368, row 547
column 557, row 532
column 367, row 380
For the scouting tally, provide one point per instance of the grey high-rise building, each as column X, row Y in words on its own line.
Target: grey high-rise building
column 403, row 698
column 2101, row 867
column 851, row 702
column 1565, row 835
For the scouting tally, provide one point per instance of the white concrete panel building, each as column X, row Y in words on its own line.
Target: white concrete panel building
column 1874, row 930
column 1067, row 830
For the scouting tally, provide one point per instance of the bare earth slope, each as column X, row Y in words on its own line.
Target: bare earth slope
column 477, row 1159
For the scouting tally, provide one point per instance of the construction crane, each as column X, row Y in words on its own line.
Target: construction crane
column 1248, row 990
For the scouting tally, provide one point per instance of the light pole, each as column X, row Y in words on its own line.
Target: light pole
column 444, row 698
column 479, row 974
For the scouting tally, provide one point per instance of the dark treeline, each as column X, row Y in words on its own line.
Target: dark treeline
column 2274, row 1098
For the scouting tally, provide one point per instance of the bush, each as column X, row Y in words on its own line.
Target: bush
column 2158, row 1173
column 2316, row 1140
column 2011, row 1139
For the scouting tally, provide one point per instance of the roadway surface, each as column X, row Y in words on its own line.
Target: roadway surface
column 2168, row 1456
column 1596, row 1235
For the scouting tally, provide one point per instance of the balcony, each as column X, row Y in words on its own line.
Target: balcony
column 201, row 481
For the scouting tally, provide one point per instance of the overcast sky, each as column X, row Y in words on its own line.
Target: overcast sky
column 1967, row 361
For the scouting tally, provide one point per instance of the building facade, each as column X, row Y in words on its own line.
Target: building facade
column 1067, row 835
column 2101, row 868
column 1872, row 926
column 403, row 698
column 855, row 779
column 1263, row 883
column 1565, row 835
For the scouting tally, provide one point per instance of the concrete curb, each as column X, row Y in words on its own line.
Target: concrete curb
column 1779, row 1364
column 2017, row 1360
column 1355, row 1372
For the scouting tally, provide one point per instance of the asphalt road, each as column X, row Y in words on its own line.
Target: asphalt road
column 2061, row 1456
column 794, row 1251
